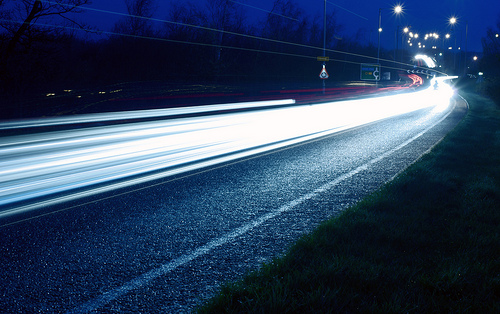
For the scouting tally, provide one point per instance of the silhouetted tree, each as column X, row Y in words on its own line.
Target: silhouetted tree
column 35, row 9
column 137, row 23
column 286, row 22
column 32, row 52
column 490, row 62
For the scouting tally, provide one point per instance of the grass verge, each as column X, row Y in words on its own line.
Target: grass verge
column 429, row 241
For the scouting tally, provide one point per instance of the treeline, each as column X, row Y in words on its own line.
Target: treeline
column 214, row 42
column 490, row 62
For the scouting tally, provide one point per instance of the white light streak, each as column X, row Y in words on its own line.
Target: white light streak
column 144, row 279
column 428, row 60
column 46, row 164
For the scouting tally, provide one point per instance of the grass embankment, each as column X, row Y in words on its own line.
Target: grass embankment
column 427, row 242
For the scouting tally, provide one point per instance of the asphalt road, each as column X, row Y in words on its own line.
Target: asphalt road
column 163, row 246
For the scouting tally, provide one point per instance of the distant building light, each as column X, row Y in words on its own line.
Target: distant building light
column 481, row 73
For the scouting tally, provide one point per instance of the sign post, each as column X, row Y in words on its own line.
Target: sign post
column 370, row 72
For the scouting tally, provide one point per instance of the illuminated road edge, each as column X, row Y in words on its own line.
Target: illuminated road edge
column 40, row 165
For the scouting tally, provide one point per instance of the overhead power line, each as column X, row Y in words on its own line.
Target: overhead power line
column 210, row 45
column 208, row 29
column 347, row 10
column 267, row 11
column 215, row 30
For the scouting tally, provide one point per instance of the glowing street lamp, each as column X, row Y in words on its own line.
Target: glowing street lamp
column 447, row 36
column 452, row 22
column 398, row 9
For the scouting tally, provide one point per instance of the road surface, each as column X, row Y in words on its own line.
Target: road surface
column 162, row 246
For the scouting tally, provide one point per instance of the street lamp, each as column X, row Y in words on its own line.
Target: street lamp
column 447, row 36
column 406, row 30
column 472, row 64
column 397, row 10
column 452, row 22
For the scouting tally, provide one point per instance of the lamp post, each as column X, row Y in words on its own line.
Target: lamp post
column 397, row 10
column 396, row 44
column 447, row 36
column 324, row 45
column 403, row 37
column 379, row 31
column 324, row 31
column 452, row 22
column 472, row 62
column 466, row 35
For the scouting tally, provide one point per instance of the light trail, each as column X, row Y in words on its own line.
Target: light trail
column 85, row 161
column 155, row 273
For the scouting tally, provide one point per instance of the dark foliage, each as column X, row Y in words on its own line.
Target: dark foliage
column 223, row 46
column 490, row 63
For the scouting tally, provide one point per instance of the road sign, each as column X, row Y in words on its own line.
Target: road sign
column 323, row 74
column 370, row 72
column 323, row 59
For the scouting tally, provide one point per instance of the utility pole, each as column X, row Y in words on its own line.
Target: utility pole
column 324, row 45
column 466, row 58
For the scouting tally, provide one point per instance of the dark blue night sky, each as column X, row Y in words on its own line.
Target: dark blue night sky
column 423, row 16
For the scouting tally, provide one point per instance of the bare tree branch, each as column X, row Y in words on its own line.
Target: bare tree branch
column 36, row 9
